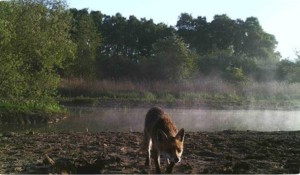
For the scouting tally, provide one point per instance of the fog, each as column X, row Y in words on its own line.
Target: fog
column 132, row 119
column 216, row 120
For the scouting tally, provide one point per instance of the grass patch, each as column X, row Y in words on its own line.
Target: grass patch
column 28, row 113
column 32, row 107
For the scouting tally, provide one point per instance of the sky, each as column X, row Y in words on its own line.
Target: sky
column 277, row 17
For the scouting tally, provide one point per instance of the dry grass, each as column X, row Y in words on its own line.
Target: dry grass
column 271, row 89
column 204, row 87
column 212, row 92
column 200, row 86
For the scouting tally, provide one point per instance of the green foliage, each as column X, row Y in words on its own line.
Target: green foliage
column 294, row 73
column 289, row 70
column 222, row 33
column 41, row 40
column 87, row 39
column 35, row 44
column 131, row 37
column 11, row 80
column 127, row 45
column 119, row 66
column 31, row 106
column 284, row 68
column 227, row 65
column 225, row 42
column 121, row 48
column 236, row 74
column 172, row 60
column 257, row 42
column 195, row 32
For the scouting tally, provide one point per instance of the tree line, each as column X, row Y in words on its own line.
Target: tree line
column 43, row 40
column 118, row 47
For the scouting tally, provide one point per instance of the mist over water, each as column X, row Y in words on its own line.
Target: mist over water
column 95, row 119
column 218, row 120
column 132, row 119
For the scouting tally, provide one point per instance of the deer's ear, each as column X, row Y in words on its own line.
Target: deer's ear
column 180, row 135
column 161, row 135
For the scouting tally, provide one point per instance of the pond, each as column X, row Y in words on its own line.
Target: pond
column 95, row 119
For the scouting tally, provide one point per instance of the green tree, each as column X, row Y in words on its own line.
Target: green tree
column 172, row 59
column 222, row 30
column 114, row 36
column 195, row 32
column 235, row 74
column 226, row 64
column 225, row 42
column 289, row 70
column 11, row 80
column 127, row 44
column 130, row 37
column 36, row 43
column 87, row 39
column 284, row 69
column 257, row 43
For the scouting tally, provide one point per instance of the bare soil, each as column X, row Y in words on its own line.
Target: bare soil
column 115, row 152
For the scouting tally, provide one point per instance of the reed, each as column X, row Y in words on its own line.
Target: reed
column 99, row 86
column 215, row 92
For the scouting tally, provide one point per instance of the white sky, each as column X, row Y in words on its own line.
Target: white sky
column 278, row 17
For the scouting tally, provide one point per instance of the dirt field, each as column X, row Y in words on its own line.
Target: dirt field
column 112, row 152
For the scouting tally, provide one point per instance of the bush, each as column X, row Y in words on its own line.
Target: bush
column 172, row 61
column 35, row 44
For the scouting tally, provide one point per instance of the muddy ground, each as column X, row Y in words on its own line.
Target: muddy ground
column 113, row 152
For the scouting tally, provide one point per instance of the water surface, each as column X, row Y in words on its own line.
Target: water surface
column 96, row 119
column 132, row 119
